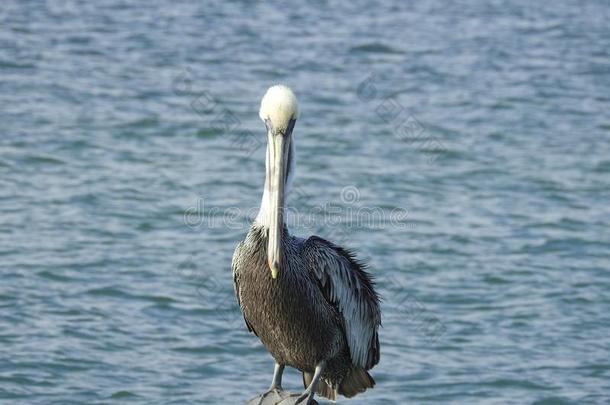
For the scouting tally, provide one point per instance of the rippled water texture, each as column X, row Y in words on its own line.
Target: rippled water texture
column 474, row 136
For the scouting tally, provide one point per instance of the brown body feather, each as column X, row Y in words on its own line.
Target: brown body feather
column 295, row 316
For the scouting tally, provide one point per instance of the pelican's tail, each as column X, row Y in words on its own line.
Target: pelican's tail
column 323, row 388
column 355, row 382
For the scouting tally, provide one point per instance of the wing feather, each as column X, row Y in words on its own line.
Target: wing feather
column 234, row 264
column 347, row 286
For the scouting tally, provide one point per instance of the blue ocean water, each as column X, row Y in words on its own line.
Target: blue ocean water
column 461, row 148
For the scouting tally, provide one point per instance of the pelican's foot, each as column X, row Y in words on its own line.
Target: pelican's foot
column 306, row 398
column 280, row 397
column 272, row 392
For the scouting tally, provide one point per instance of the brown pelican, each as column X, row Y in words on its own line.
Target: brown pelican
column 311, row 303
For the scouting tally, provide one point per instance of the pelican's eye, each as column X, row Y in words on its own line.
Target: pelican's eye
column 291, row 125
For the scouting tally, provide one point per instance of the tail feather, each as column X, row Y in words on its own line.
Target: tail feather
column 356, row 381
column 323, row 388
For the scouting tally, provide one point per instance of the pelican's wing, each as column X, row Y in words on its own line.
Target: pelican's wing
column 347, row 286
column 234, row 264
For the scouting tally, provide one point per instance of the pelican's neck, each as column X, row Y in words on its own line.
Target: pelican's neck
column 263, row 218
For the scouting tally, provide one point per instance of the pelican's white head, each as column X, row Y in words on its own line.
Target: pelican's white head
column 279, row 107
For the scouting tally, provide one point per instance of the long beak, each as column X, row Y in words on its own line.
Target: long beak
column 277, row 156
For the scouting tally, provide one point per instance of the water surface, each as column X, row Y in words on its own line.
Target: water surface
column 132, row 157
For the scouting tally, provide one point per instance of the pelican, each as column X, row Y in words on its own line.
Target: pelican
column 311, row 303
